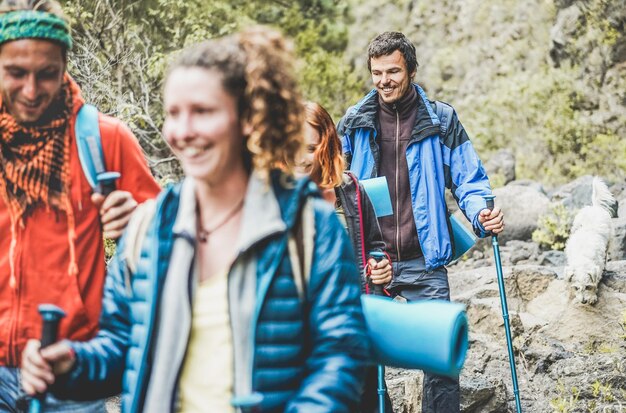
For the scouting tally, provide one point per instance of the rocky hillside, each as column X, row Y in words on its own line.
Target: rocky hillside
column 546, row 79
column 570, row 357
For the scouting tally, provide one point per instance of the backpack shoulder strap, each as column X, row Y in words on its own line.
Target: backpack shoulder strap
column 136, row 231
column 359, row 206
column 444, row 112
column 301, row 243
column 89, row 143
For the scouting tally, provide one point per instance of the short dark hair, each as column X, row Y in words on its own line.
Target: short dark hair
column 388, row 42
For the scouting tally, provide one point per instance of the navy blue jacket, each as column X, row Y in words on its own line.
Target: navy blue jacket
column 309, row 355
column 435, row 163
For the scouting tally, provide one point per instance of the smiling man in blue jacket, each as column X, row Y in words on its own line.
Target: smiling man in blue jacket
column 394, row 131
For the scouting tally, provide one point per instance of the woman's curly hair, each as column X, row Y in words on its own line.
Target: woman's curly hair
column 256, row 66
column 328, row 163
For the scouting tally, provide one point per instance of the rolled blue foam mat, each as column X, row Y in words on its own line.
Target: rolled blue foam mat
column 378, row 192
column 464, row 239
column 429, row 335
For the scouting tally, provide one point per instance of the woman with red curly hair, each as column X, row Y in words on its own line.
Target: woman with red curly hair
column 323, row 161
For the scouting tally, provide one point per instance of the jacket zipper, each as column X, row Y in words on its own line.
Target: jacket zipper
column 397, row 183
column 15, row 305
column 141, row 387
column 11, row 351
column 174, row 394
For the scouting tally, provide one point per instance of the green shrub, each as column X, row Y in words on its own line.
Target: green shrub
column 109, row 249
column 553, row 228
column 566, row 400
column 496, row 180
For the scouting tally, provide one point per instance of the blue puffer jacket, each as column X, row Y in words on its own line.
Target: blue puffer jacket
column 307, row 356
column 435, row 163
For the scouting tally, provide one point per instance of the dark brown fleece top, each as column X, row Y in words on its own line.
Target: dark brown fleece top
column 396, row 124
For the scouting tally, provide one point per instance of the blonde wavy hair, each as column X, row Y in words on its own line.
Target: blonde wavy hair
column 256, row 66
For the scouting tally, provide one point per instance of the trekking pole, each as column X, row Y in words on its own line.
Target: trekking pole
column 250, row 403
column 505, row 310
column 51, row 315
column 382, row 388
column 106, row 182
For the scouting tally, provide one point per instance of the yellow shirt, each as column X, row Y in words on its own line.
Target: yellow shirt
column 206, row 381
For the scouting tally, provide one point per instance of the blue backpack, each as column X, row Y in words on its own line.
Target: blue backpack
column 89, row 144
column 462, row 238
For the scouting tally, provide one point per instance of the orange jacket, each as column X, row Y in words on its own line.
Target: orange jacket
column 41, row 256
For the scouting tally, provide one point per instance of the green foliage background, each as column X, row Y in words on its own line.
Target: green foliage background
column 560, row 109
column 124, row 46
column 490, row 59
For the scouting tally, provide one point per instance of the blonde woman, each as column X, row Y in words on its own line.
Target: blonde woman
column 213, row 318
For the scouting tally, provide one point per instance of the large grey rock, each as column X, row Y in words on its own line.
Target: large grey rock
column 553, row 258
column 596, row 377
column 614, row 276
column 621, row 203
column 579, row 193
column 405, row 389
column 617, row 244
column 522, row 206
column 618, row 190
column 519, row 252
column 482, row 395
column 501, row 165
column 565, row 28
column 538, row 186
column 574, row 195
column 542, row 353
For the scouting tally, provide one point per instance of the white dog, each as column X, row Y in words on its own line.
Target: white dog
column 587, row 245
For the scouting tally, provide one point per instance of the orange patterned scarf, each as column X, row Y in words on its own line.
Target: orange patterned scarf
column 34, row 165
column 34, row 159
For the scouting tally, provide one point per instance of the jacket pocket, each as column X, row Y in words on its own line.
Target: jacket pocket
column 62, row 290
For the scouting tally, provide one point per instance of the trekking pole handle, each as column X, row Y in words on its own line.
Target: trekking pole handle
column 378, row 256
column 489, row 200
column 51, row 316
column 490, row 205
column 106, row 182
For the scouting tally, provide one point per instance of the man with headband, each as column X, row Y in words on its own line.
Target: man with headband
column 51, row 248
